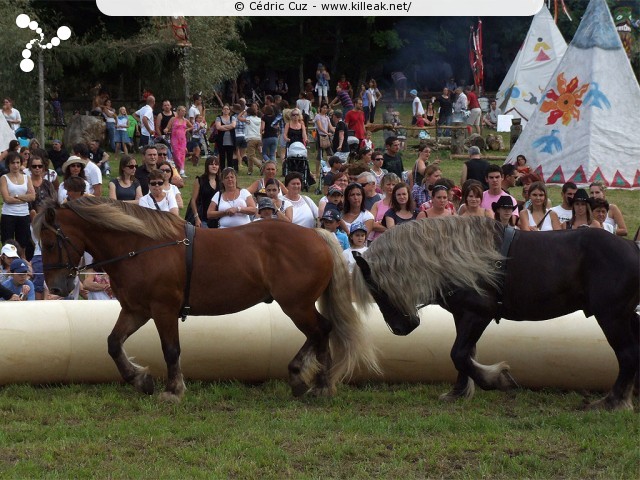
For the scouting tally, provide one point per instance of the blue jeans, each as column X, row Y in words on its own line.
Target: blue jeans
column 146, row 140
column 269, row 147
column 111, row 134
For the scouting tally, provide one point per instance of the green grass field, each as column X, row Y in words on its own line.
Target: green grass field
column 229, row 430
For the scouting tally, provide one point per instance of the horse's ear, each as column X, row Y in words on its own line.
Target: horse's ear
column 50, row 215
column 362, row 263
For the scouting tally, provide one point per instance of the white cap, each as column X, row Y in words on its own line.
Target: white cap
column 10, row 251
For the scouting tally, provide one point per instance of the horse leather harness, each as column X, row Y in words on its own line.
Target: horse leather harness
column 64, row 242
column 507, row 241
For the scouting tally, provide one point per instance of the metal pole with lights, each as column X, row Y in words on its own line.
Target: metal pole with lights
column 27, row 65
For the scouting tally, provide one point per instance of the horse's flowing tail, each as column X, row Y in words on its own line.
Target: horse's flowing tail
column 349, row 343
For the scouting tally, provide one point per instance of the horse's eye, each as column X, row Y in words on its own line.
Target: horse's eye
column 48, row 246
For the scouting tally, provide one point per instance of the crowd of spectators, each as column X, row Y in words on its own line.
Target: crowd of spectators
column 367, row 190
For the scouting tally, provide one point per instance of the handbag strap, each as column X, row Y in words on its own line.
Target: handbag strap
column 542, row 221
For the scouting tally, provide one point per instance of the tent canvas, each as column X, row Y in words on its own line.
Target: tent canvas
column 585, row 127
column 540, row 53
column 6, row 134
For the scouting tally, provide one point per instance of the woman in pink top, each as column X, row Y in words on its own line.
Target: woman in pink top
column 389, row 180
column 179, row 126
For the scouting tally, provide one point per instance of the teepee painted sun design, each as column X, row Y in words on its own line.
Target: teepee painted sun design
column 566, row 102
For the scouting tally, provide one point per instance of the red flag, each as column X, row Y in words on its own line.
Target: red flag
column 475, row 56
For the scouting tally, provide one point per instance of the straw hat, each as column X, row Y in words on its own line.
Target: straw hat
column 73, row 159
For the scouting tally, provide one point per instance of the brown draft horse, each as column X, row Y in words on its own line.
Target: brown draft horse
column 459, row 263
column 232, row 269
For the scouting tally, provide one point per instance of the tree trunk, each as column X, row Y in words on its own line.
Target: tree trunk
column 41, row 93
column 301, row 63
column 185, row 74
column 458, row 136
column 121, row 87
column 366, row 48
column 336, row 53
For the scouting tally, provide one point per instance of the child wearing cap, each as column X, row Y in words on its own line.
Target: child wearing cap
column 8, row 254
column 19, row 284
column 334, row 199
column 266, row 209
column 331, row 221
column 358, row 240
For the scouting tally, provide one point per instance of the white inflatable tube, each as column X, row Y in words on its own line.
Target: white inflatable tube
column 66, row 342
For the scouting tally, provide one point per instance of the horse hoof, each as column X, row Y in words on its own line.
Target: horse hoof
column 169, row 397
column 449, row 397
column 298, row 389
column 607, row 403
column 144, row 383
column 455, row 394
column 323, row 392
column 507, row 382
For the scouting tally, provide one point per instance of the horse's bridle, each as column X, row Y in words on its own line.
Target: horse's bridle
column 73, row 270
column 63, row 242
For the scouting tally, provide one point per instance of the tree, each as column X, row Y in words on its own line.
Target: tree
column 214, row 56
column 18, row 85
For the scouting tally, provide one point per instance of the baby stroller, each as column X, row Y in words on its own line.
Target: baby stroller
column 297, row 161
column 24, row 136
column 354, row 145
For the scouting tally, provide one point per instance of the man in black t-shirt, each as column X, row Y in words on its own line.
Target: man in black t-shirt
column 57, row 156
column 475, row 168
column 340, row 144
column 393, row 158
column 98, row 156
column 150, row 163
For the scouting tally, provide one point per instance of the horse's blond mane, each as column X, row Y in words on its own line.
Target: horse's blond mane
column 416, row 262
column 121, row 216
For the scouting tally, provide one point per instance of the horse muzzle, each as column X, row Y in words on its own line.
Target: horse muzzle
column 402, row 325
column 62, row 288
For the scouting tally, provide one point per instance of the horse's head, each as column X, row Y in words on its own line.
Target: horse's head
column 61, row 253
column 399, row 323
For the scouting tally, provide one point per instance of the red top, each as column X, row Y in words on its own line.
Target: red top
column 355, row 121
column 346, row 85
column 473, row 100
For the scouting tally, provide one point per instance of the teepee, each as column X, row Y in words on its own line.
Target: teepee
column 6, row 134
column 585, row 128
column 530, row 72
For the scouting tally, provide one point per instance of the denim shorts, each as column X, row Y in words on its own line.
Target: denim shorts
column 122, row 137
column 241, row 142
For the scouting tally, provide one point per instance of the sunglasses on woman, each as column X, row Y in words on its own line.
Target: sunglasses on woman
column 37, row 166
column 132, row 166
column 165, row 170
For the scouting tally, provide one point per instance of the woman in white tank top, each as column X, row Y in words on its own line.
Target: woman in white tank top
column 538, row 218
column 17, row 191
